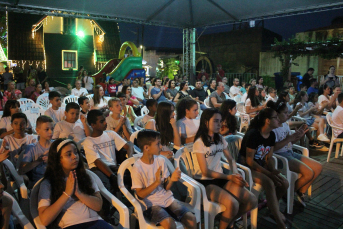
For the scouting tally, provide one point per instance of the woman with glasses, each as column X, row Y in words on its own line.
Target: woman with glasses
column 256, row 153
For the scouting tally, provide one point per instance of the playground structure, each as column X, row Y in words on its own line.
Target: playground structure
column 129, row 67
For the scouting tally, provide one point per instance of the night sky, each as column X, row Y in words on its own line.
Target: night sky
column 169, row 37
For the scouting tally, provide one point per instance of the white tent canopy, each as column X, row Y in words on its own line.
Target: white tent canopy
column 171, row 13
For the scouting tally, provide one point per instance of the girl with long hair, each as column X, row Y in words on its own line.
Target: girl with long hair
column 183, row 92
column 68, row 196
column 166, row 126
column 262, row 96
column 306, row 112
column 11, row 92
column 47, row 87
column 228, row 190
column 228, row 111
column 11, row 107
column 260, row 83
column 186, row 119
column 131, row 100
column 37, row 92
column 252, row 104
column 307, row 167
column 324, row 99
column 171, row 91
column 98, row 101
column 256, row 153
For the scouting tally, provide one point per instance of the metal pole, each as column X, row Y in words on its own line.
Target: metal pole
column 192, row 55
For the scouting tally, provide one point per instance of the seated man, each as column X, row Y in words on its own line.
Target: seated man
column 217, row 97
column 199, row 92
column 313, row 87
column 138, row 92
column 78, row 90
column 157, row 92
column 235, row 90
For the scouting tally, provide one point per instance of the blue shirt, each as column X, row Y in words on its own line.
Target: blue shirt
column 312, row 89
column 155, row 91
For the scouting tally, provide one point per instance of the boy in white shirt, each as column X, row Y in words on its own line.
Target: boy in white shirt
column 151, row 104
column 17, row 141
column 78, row 90
column 103, row 150
column 337, row 117
column 72, row 127
column 271, row 95
column 55, row 112
column 152, row 182
column 120, row 124
column 35, row 157
column 85, row 105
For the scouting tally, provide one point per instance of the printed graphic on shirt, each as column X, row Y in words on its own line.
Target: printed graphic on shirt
column 213, row 153
column 104, row 145
column 261, row 152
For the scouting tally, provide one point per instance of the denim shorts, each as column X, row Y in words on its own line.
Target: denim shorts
column 290, row 155
column 310, row 121
column 157, row 214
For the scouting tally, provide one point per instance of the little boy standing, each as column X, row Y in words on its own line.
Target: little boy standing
column 120, row 124
column 151, row 182
column 55, row 112
column 36, row 155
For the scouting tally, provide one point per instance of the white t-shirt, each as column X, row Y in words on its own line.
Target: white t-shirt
column 304, row 108
column 78, row 92
column 138, row 92
column 89, row 83
column 234, row 90
column 103, row 147
column 74, row 131
column 280, row 134
column 5, row 123
column 188, row 127
column 337, row 119
column 17, row 146
column 271, row 98
column 248, row 104
column 76, row 212
column 321, row 99
column 103, row 102
column 213, row 155
column 144, row 176
column 113, row 123
column 56, row 115
column 145, row 119
column 244, row 97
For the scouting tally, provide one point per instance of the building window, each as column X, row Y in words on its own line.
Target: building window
column 69, row 60
column 69, row 26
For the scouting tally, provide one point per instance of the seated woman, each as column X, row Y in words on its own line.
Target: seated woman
column 11, row 107
column 228, row 111
column 306, row 111
column 37, row 92
column 336, row 91
column 171, row 91
column 98, row 101
column 11, row 93
column 187, row 119
column 131, row 100
column 47, row 87
column 252, row 104
column 227, row 190
column 324, row 99
column 307, row 167
column 70, row 203
column 284, row 97
column 182, row 93
column 262, row 96
column 167, row 127
column 256, row 152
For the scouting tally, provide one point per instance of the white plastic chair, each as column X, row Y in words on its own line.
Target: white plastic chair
column 132, row 140
column 18, row 214
column 68, row 99
column 144, row 111
column 122, row 209
column 138, row 123
column 33, row 113
column 207, row 102
column 244, row 118
column 25, row 103
column 43, row 101
column 18, row 180
column 292, row 177
column 193, row 194
column 211, row 209
column 334, row 139
column 90, row 96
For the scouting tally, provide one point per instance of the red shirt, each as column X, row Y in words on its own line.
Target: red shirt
column 104, row 86
column 112, row 88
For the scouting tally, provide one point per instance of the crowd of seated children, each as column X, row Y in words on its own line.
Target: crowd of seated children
column 68, row 196
column 35, row 158
column 151, row 104
column 167, row 128
column 187, row 120
column 256, row 153
column 228, row 190
column 228, row 111
column 100, row 151
column 11, row 107
column 151, row 182
column 116, row 122
column 71, row 127
column 56, row 112
column 252, row 104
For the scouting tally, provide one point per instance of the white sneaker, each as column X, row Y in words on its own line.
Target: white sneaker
column 323, row 138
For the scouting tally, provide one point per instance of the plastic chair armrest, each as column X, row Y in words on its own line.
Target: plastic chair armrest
column 247, row 173
column 285, row 169
column 303, row 150
column 195, row 194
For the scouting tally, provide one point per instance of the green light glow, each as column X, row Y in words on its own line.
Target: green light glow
column 80, row 34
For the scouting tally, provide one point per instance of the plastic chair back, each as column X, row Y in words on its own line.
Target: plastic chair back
column 33, row 113
column 137, row 123
column 43, row 101
column 144, row 111
column 25, row 103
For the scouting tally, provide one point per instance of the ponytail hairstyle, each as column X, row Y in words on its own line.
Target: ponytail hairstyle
column 253, row 98
column 231, row 120
column 298, row 97
column 278, row 106
column 282, row 96
column 183, row 105
column 182, row 85
column 203, row 128
column 322, row 88
column 163, row 125
column 260, row 119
